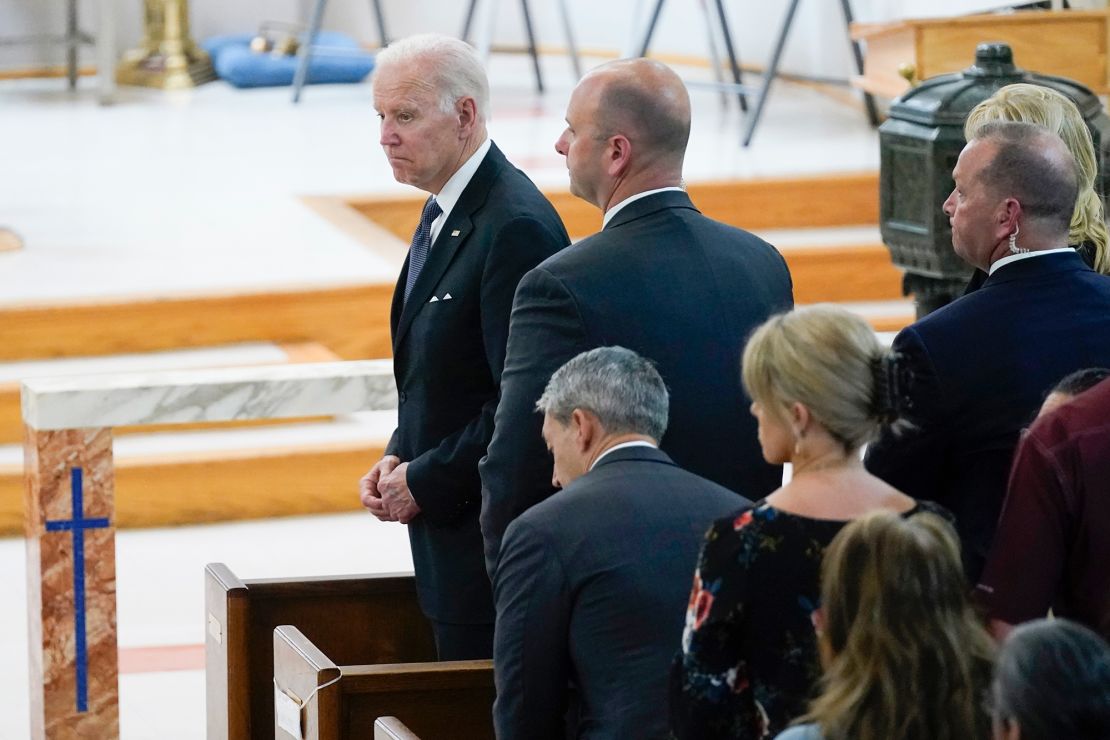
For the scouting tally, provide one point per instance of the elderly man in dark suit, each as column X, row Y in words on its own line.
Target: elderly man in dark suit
column 983, row 364
column 660, row 278
column 591, row 583
column 483, row 227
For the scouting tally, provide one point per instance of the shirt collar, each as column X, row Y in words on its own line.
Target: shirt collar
column 1026, row 255
column 453, row 189
column 623, row 445
column 632, row 199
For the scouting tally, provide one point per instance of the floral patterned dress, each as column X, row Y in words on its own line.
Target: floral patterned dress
column 749, row 663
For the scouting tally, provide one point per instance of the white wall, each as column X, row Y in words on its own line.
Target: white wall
column 817, row 45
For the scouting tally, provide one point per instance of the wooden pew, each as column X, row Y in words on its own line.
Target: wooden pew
column 357, row 619
column 391, row 728
column 320, row 700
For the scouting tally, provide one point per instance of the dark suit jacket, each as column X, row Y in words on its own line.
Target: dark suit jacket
column 447, row 358
column 665, row 281
column 982, row 365
column 592, row 589
column 1085, row 250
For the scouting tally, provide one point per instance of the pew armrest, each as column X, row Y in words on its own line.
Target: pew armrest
column 226, row 664
column 221, row 575
column 444, row 699
column 308, row 677
column 354, row 619
column 391, row 728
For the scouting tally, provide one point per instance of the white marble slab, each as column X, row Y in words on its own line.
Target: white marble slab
column 228, row 355
column 224, row 394
column 362, row 429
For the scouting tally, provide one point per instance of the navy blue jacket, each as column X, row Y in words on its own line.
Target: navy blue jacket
column 591, row 591
column 447, row 358
column 982, row 365
column 670, row 284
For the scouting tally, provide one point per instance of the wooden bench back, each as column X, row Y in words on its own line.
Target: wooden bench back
column 356, row 619
column 433, row 700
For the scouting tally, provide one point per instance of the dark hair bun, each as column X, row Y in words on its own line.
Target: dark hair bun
column 892, row 379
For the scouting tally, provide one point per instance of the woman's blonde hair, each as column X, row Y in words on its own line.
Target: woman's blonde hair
column 906, row 655
column 1054, row 111
column 823, row 357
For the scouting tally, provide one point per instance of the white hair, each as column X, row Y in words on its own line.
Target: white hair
column 456, row 70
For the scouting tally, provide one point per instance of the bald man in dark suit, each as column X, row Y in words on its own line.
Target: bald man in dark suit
column 660, row 279
column 982, row 365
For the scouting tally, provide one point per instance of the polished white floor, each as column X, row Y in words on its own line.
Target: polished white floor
column 198, row 191
column 165, row 194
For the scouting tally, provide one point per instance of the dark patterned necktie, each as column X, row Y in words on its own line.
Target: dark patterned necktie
column 421, row 243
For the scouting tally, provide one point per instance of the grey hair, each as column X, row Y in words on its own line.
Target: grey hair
column 1024, row 168
column 455, row 69
column 1051, row 679
column 622, row 389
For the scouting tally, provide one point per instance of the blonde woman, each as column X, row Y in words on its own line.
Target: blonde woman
column 821, row 387
column 1056, row 112
column 905, row 656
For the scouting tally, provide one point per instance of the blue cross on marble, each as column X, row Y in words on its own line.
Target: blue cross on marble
column 78, row 524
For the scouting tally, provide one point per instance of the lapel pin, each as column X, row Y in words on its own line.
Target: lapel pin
column 456, row 232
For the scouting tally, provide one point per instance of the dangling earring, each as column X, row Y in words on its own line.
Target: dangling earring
column 797, row 447
column 1014, row 248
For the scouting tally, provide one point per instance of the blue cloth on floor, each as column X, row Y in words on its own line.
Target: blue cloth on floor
column 235, row 62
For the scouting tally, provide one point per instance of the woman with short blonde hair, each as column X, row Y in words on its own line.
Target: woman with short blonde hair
column 821, row 386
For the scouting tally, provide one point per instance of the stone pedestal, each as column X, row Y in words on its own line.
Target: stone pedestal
column 70, row 520
column 71, row 583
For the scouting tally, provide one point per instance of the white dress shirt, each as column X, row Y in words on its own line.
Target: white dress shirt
column 1027, row 255
column 621, row 446
column 453, row 189
column 632, row 199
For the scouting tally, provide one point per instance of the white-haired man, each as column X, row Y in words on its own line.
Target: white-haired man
column 484, row 225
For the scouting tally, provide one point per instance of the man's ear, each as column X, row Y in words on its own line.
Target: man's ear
column 466, row 112
column 618, row 155
column 1009, row 216
column 585, row 429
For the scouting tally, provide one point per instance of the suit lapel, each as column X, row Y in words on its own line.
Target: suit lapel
column 452, row 237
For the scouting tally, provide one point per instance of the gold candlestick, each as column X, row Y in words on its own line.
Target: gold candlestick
column 167, row 57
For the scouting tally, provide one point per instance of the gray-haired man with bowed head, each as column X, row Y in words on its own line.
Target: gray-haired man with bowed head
column 592, row 583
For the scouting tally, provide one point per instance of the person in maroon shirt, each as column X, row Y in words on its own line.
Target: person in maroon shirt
column 1052, row 549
